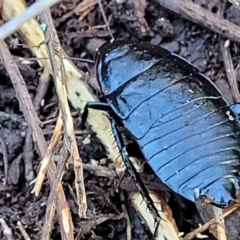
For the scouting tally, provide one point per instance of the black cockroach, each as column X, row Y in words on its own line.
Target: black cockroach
column 187, row 132
column 185, row 129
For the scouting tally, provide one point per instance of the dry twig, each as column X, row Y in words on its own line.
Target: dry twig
column 5, row 158
column 129, row 229
column 23, row 231
column 7, row 232
column 28, row 155
column 59, row 76
column 52, row 199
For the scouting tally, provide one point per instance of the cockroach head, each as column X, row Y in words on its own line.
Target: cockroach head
column 118, row 62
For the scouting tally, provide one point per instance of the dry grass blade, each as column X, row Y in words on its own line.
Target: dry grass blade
column 33, row 121
column 45, row 162
column 5, row 159
column 59, row 76
column 231, row 76
column 227, row 59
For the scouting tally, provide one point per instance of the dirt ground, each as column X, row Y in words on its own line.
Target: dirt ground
column 80, row 39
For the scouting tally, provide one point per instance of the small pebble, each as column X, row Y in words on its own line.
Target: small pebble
column 43, row 27
column 103, row 161
column 86, row 141
column 227, row 43
column 172, row 46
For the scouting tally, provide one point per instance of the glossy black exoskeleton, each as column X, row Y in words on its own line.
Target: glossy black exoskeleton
column 185, row 129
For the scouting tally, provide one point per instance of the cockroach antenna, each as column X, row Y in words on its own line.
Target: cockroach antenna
column 105, row 20
column 84, row 60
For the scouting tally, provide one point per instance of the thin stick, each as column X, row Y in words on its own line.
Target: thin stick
column 28, row 155
column 23, row 231
column 105, row 19
column 229, row 69
column 124, row 208
column 52, row 199
column 36, row 8
column 5, row 158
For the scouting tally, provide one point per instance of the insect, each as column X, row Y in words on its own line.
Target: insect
column 185, row 129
